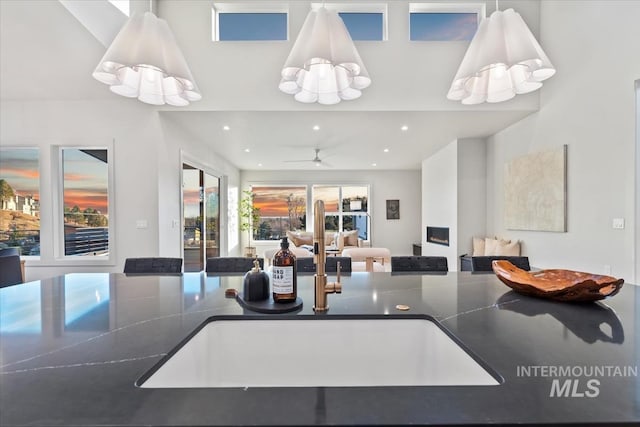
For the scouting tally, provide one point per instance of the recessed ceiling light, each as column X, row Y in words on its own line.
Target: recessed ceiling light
column 317, row 165
column 259, row 164
column 316, row 127
column 225, row 127
column 404, row 128
column 386, row 150
column 374, row 164
column 246, row 150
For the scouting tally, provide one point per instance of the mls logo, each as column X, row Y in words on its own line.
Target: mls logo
column 571, row 388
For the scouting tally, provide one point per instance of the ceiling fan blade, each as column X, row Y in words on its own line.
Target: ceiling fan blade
column 326, row 165
column 316, row 159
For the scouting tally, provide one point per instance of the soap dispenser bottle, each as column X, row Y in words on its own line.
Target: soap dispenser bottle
column 284, row 274
column 256, row 284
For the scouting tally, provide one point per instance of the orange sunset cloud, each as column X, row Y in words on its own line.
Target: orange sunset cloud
column 77, row 177
column 23, row 173
column 96, row 199
column 272, row 201
column 191, row 197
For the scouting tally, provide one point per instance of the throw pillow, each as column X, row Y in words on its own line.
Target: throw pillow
column 478, row 246
column 330, row 238
column 490, row 246
column 338, row 241
column 350, row 238
column 508, row 248
column 299, row 239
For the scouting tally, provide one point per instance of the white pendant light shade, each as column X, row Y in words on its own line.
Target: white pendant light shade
column 324, row 65
column 504, row 59
column 145, row 62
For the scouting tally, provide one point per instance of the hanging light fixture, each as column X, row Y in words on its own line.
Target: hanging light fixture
column 145, row 62
column 324, row 65
column 503, row 60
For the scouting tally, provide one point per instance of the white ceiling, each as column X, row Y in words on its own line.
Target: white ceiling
column 346, row 139
column 46, row 54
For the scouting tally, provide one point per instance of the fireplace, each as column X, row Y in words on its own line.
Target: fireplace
column 438, row 235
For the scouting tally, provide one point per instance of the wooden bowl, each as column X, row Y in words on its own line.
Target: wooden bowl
column 559, row 285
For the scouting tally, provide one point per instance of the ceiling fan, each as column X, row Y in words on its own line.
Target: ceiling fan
column 316, row 160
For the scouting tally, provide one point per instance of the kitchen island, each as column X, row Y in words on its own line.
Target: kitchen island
column 73, row 347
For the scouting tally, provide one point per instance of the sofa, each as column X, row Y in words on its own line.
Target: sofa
column 332, row 239
column 493, row 248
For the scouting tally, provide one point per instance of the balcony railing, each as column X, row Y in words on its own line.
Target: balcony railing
column 87, row 241
column 27, row 240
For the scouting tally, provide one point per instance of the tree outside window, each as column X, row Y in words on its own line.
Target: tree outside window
column 281, row 209
column 20, row 200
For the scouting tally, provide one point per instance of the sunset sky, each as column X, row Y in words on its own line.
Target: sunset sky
column 19, row 167
column 85, row 181
column 85, row 177
column 272, row 201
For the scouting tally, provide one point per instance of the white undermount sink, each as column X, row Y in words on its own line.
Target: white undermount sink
column 309, row 351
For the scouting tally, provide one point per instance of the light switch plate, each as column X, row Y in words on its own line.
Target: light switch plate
column 618, row 223
column 141, row 223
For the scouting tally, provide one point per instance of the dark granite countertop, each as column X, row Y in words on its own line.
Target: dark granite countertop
column 72, row 347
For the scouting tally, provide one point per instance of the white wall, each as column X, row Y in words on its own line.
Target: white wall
column 440, row 201
column 396, row 235
column 454, row 196
column 472, row 192
column 588, row 105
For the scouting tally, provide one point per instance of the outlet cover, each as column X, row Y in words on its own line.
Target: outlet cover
column 618, row 223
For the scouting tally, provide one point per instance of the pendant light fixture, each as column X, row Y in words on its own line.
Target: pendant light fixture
column 503, row 60
column 145, row 62
column 324, row 65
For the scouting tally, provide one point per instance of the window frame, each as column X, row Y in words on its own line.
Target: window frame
column 218, row 8
column 59, row 255
column 341, row 213
column 360, row 8
column 480, row 9
column 40, row 186
column 283, row 185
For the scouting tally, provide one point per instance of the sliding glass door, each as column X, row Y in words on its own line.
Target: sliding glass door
column 201, row 212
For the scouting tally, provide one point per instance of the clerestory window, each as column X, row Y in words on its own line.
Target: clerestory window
column 444, row 21
column 250, row 21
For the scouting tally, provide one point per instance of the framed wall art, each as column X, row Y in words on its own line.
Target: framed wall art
column 393, row 209
column 535, row 191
